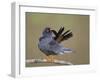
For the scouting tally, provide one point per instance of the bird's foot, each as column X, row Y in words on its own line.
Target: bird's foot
column 50, row 59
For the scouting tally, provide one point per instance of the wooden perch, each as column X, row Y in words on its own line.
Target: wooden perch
column 45, row 61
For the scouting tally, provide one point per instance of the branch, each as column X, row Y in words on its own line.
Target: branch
column 45, row 61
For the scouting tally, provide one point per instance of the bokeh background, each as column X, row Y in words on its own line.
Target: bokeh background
column 79, row 24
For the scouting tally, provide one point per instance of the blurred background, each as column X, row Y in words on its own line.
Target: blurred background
column 78, row 24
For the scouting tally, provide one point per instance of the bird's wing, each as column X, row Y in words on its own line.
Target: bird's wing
column 51, row 46
column 55, row 47
column 58, row 49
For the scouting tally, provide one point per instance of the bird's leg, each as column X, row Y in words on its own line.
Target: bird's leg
column 48, row 58
column 51, row 58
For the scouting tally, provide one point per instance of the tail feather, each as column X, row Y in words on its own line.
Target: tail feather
column 60, row 36
column 67, row 36
column 67, row 50
column 65, row 32
column 55, row 33
column 59, row 32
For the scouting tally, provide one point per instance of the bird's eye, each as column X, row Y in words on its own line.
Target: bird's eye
column 48, row 30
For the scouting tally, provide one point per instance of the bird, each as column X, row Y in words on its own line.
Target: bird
column 50, row 42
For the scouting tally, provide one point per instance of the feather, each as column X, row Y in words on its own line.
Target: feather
column 67, row 36
column 55, row 33
column 60, row 36
column 59, row 32
column 65, row 32
column 67, row 50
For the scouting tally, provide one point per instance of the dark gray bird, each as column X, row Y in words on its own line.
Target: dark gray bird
column 50, row 42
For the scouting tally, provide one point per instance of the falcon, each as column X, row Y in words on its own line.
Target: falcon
column 50, row 43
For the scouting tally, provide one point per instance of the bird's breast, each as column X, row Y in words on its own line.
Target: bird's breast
column 43, row 44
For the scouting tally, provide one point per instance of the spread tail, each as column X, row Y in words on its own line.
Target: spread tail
column 60, row 36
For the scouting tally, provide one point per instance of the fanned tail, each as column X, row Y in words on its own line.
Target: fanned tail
column 60, row 36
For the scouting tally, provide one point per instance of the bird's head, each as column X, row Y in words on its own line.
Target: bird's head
column 47, row 29
column 47, row 32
